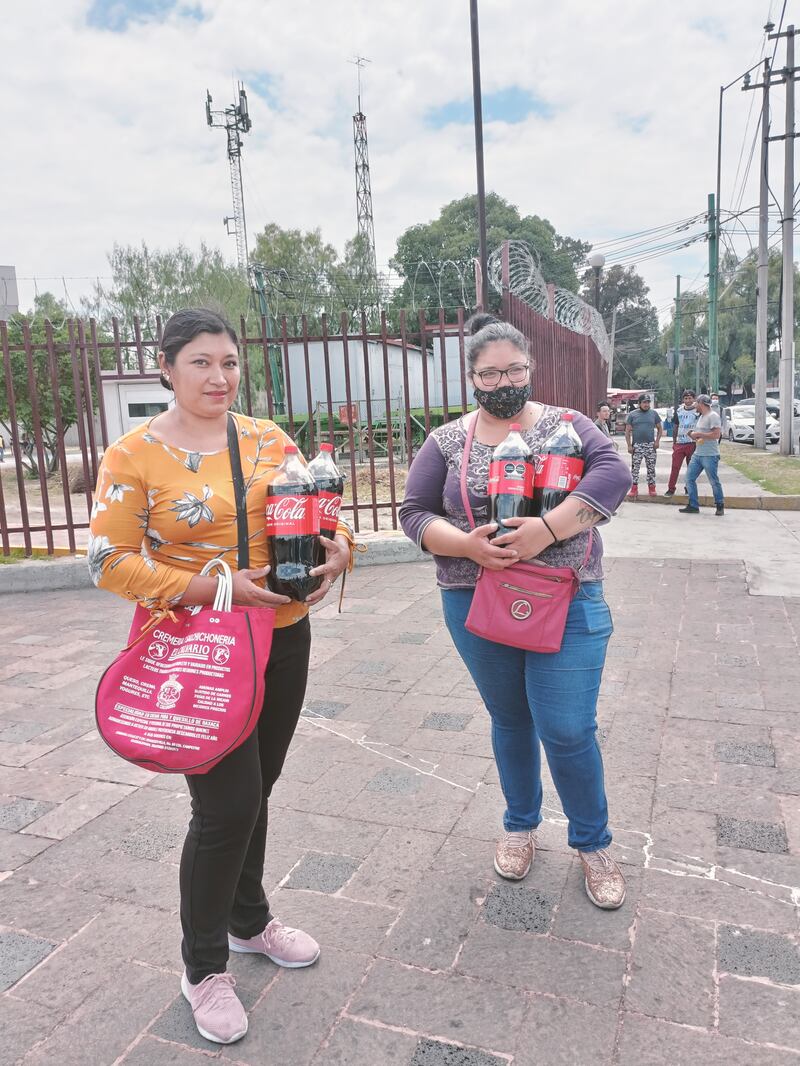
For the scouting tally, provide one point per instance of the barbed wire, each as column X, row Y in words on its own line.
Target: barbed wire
column 527, row 283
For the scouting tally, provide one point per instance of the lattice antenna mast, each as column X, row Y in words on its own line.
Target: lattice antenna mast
column 235, row 120
column 365, row 222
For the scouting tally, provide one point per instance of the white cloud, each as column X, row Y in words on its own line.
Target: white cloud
column 105, row 137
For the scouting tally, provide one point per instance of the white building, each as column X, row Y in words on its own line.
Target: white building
column 129, row 403
column 358, row 374
column 9, row 297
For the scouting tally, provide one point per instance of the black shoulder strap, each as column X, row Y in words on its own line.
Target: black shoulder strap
column 241, row 498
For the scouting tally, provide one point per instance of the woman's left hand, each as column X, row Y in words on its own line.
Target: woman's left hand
column 529, row 539
column 337, row 559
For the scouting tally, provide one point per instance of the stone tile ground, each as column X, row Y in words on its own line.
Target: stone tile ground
column 381, row 834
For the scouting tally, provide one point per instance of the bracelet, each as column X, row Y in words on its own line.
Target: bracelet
column 549, row 530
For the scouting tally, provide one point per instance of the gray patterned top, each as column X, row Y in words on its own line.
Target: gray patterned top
column 433, row 491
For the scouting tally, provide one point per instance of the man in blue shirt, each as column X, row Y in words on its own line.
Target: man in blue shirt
column 682, row 446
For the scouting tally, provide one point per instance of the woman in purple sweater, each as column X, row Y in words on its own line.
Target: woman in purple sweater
column 531, row 697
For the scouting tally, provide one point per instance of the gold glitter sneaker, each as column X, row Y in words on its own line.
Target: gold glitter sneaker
column 605, row 885
column 513, row 855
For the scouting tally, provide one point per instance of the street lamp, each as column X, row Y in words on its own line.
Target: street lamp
column 597, row 262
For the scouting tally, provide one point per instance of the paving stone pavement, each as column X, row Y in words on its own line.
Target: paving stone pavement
column 381, row 833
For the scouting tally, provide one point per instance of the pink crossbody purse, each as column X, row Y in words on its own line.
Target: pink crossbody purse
column 525, row 605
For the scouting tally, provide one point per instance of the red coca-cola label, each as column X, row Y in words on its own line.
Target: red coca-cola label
column 512, row 477
column 292, row 516
column 329, row 505
column 558, row 472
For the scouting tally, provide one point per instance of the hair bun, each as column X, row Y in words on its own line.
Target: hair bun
column 477, row 322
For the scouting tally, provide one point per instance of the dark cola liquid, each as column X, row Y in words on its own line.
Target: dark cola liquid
column 510, row 482
column 292, row 515
column 559, row 468
column 330, row 501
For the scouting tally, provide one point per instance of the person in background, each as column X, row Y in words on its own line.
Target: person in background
column 643, row 429
column 706, row 433
column 683, row 446
column 603, row 415
column 534, row 699
column 2, row 448
column 668, row 421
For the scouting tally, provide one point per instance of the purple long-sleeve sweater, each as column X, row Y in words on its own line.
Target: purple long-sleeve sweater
column 433, row 491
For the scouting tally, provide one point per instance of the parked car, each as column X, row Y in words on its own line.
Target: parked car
column 773, row 406
column 740, row 425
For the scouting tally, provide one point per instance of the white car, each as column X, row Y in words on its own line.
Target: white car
column 740, row 425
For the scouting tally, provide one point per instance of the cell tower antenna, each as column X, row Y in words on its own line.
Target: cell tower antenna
column 365, row 222
column 235, row 120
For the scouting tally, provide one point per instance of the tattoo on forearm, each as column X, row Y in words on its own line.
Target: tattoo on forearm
column 587, row 516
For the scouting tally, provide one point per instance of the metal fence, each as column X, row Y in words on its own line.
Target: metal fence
column 376, row 396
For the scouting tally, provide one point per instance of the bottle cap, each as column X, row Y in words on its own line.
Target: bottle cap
column 290, row 449
column 516, row 426
column 326, row 447
column 567, row 416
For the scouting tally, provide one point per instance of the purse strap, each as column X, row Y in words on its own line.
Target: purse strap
column 471, row 422
column 239, row 493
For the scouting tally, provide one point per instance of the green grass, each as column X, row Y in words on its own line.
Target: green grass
column 18, row 555
column 775, row 473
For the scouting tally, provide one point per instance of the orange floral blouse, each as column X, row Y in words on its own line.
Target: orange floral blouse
column 161, row 513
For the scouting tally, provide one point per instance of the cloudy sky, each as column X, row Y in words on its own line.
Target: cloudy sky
column 601, row 115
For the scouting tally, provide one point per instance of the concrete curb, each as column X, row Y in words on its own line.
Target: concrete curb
column 71, row 572
column 44, row 575
column 742, row 503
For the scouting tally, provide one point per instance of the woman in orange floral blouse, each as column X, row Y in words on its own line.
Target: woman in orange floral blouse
column 164, row 506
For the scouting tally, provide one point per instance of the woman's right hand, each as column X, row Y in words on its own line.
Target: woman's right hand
column 481, row 550
column 246, row 593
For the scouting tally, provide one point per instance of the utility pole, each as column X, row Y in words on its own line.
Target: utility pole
column 762, row 270
column 786, row 378
column 611, row 353
column 713, row 276
column 478, row 109
column 234, row 120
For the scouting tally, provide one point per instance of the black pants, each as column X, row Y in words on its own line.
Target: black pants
column 223, row 857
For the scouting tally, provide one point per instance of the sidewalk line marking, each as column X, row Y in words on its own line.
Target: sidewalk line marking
column 373, row 745
column 704, row 870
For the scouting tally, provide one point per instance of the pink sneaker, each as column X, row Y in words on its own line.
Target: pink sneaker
column 218, row 1014
column 279, row 942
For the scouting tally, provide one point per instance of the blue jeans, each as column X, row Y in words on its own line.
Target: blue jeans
column 697, row 464
column 552, row 698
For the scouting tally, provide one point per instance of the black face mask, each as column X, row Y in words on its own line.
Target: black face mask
column 504, row 402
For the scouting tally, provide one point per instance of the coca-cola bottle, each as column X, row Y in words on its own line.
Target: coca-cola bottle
column 292, row 523
column 510, row 481
column 559, row 467
column 330, row 486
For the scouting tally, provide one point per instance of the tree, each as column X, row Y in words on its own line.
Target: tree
column 636, row 337
column 300, row 272
column 148, row 283
column 658, row 377
column 46, row 309
column 434, row 259
column 745, row 367
column 736, row 328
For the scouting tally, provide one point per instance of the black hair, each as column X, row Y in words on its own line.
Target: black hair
column 477, row 322
column 184, row 326
column 483, row 329
column 689, row 392
column 604, row 403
